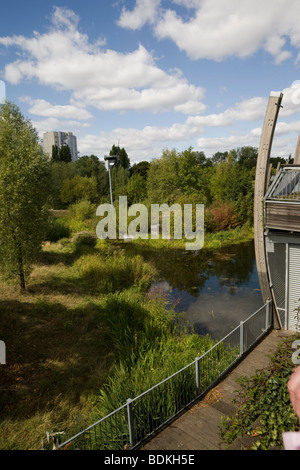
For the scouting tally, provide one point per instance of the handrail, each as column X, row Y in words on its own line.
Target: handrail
column 236, row 350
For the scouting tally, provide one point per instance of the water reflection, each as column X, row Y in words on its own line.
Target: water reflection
column 216, row 289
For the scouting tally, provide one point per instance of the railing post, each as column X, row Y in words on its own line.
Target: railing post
column 241, row 337
column 197, row 376
column 267, row 313
column 130, row 421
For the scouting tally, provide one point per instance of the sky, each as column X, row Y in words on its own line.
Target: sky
column 154, row 74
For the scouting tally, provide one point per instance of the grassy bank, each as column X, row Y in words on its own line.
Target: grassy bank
column 212, row 241
column 86, row 311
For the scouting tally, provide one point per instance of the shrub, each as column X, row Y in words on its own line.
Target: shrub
column 84, row 239
column 220, row 216
column 82, row 210
column 114, row 273
column 56, row 230
column 263, row 407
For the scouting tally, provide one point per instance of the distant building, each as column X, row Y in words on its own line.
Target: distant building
column 59, row 139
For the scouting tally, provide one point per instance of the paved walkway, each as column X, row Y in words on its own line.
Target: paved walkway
column 197, row 428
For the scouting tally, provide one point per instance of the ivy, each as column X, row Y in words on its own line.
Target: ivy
column 263, row 408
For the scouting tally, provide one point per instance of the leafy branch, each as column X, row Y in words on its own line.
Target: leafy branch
column 263, row 407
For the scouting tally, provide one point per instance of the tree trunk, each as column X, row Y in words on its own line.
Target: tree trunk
column 21, row 273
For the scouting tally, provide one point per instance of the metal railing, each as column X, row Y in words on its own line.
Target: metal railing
column 134, row 422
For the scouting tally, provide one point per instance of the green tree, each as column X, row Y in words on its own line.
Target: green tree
column 55, row 154
column 123, row 159
column 193, row 174
column 60, row 171
column 77, row 188
column 102, row 181
column 163, row 180
column 88, row 166
column 136, row 189
column 234, row 183
column 246, row 156
column 24, row 189
column 91, row 167
column 219, row 157
column 65, row 154
column 140, row 168
column 119, row 181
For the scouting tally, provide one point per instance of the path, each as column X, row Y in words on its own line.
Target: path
column 197, row 428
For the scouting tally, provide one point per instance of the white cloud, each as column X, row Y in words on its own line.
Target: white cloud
column 46, row 109
column 248, row 110
column 145, row 11
column 64, row 58
column 55, row 124
column 151, row 140
column 214, row 29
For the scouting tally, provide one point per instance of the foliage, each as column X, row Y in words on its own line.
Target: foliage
column 162, row 181
column 186, row 177
column 264, row 397
column 114, row 273
column 77, row 188
column 123, row 159
column 119, row 181
column 56, row 230
column 82, row 210
column 220, row 216
column 140, row 168
column 136, row 189
column 84, row 239
column 24, row 185
column 60, row 171
column 62, row 154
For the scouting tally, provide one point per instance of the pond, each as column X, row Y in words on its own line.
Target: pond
column 216, row 289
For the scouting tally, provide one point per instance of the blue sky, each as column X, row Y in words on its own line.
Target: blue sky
column 154, row 74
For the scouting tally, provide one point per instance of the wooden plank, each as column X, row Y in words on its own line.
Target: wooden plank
column 283, row 216
column 297, row 152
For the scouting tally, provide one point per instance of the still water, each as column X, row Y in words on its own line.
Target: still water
column 216, row 289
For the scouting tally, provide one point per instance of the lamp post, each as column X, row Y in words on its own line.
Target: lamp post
column 111, row 159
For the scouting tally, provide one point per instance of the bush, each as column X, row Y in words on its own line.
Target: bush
column 220, row 216
column 56, row 230
column 84, row 239
column 114, row 273
column 82, row 210
column 263, row 407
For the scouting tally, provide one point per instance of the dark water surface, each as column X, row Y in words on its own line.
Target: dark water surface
column 216, row 289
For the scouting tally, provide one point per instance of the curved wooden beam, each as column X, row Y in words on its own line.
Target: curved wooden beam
column 261, row 182
column 297, row 153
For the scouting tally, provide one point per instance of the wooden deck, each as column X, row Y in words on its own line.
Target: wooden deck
column 283, row 215
column 197, row 428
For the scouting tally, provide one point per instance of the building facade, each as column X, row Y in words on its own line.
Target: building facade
column 277, row 227
column 59, row 139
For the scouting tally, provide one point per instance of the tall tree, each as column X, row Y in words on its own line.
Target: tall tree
column 123, row 159
column 24, row 189
column 55, row 153
column 140, row 168
column 65, row 154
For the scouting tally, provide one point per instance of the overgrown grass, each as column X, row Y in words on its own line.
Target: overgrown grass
column 211, row 240
column 85, row 312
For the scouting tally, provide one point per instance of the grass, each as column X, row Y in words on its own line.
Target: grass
column 63, row 338
column 211, row 240
column 58, row 353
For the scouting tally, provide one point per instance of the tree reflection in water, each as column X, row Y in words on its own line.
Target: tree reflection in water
column 217, row 289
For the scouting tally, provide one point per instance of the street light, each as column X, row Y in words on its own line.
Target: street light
column 111, row 159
